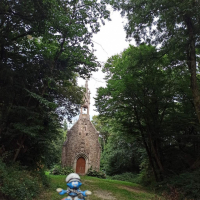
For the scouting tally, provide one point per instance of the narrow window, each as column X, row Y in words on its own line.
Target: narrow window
column 85, row 111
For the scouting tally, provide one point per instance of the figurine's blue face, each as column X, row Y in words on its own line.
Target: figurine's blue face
column 74, row 184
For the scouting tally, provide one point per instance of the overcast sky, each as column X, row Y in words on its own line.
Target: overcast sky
column 110, row 40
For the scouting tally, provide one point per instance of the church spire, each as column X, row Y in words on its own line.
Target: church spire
column 86, row 102
column 86, row 84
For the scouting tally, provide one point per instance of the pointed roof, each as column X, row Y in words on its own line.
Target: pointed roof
column 86, row 102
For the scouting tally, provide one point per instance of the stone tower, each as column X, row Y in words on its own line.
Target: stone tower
column 82, row 150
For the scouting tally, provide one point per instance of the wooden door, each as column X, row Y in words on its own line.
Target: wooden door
column 80, row 166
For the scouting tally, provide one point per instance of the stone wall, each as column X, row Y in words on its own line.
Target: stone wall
column 82, row 141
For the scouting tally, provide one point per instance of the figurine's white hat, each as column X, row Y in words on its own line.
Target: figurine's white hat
column 72, row 177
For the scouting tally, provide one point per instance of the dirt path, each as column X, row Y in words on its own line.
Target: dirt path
column 132, row 189
column 103, row 194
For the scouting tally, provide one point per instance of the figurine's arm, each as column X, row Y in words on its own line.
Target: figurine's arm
column 86, row 193
column 61, row 191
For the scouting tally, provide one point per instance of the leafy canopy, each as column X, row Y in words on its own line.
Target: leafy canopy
column 44, row 46
column 146, row 98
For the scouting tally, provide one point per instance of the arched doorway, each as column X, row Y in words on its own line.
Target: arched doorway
column 80, row 166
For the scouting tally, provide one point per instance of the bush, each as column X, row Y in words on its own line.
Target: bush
column 59, row 170
column 187, row 185
column 94, row 173
column 128, row 176
column 19, row 184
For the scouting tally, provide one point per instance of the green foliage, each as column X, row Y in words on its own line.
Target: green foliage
column 44, row 47
column 121, row 159
column 165, row 19
column 121, row 154
column 95, row 173
column 127, row 176
column 103, row 126
column 55, row 150
column 146, row 176
column 172, row 26
column 59, row 170
column 65, row 130
column 154, row 125
column 65, row 126
column 187, row 184
column 18, row 183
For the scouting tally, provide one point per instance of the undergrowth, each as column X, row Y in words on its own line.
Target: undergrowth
column 183, row 186
column 59, row 170
column 95, row 173
column 128, row 176
column 17, row 183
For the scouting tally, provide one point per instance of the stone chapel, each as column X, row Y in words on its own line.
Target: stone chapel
column 82, row 150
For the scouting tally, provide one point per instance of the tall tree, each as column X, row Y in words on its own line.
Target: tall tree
column 145, row 96
column 172, row 24
column 44, row 46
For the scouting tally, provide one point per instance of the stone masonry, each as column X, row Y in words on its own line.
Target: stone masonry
column 82, row 150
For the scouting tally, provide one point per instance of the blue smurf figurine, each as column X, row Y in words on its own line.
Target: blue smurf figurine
column 73, row 191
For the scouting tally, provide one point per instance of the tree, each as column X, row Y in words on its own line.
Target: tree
column 145, row 96
column 119, row 150
column 103, row 126
column 44, row 46
column 174, row 25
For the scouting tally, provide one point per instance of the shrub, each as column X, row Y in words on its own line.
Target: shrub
column 186, row 185
column 128, row 176
column 20, row 184
column 173, row 194
column 59, row 170
column 95, row 173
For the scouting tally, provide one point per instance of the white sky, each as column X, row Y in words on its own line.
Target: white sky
column 109, row 41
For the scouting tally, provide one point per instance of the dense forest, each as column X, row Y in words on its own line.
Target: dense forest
column 149, row 111
column 44, row 47
column 147, row 120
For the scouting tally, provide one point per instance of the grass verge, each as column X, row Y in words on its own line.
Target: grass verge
column 102, row 189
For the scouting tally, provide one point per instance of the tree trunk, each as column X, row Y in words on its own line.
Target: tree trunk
column 150, row 157
column 146, row 147
column 20, row 146
column 155, row 153
column 191, row 62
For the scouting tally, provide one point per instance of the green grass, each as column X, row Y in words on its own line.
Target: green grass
column 101, row 189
